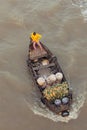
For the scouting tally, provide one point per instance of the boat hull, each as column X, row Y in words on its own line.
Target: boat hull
column 37, row 70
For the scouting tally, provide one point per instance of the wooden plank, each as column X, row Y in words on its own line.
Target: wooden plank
column 44, row 66
column 35, row 54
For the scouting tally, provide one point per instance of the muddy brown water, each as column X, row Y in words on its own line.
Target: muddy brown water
column 63, row 25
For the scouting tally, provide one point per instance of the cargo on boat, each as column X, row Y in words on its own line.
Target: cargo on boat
column 50, row 79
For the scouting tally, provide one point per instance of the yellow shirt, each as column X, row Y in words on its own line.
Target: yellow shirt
column 36, row 37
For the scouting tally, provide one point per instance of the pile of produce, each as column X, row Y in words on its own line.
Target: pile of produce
column 56, row 91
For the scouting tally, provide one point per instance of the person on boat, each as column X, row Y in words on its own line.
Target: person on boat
column 35, row 37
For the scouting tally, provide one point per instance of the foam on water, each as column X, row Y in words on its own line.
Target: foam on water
column 34, row 103
column 83, row 6
column 38, row 108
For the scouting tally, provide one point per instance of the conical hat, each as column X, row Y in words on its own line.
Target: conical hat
column 51, row 78
column 59, row 76
column 45, row 62
column 41, row 81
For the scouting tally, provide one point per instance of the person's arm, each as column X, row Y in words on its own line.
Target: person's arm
column 39, row 36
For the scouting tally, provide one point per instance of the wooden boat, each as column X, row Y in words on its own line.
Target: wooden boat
column 39, row 69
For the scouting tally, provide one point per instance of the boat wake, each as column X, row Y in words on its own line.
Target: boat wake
column 34, row 103
column 83, row 6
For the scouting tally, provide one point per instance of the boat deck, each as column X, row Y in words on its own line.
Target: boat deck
column 45, row 72
column 35, row 54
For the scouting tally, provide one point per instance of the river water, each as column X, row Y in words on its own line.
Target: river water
column 63, row 25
